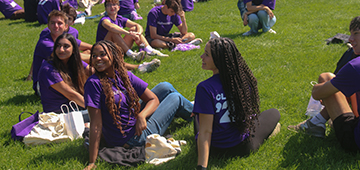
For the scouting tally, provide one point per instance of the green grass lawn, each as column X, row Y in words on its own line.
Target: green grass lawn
column 284, row 64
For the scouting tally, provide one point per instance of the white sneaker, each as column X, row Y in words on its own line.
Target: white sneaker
column 149, row 66
column 247, row 33
column 80, row 20
column 88, row 9
column 138, row 56
column 196, row 41
column 158, row 53
column 214, row 35
column 272, row 31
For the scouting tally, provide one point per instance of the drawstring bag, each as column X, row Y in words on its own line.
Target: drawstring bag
column 23, row 128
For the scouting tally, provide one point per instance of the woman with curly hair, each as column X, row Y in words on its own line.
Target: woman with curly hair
column 227, row 105
column 112, row 97
column 62, row 78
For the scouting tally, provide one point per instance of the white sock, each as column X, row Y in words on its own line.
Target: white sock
column 317, row 119
column 148, row 49
column 129, row 52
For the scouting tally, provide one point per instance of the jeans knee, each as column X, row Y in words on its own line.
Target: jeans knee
column 262, row 14
column 253, row 18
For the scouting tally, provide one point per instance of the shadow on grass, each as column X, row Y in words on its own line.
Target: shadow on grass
column 234, row 36
column 21, row 99
column 306, row 152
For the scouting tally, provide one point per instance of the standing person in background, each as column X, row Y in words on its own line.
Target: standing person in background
column 259, row 15
column 227, row 106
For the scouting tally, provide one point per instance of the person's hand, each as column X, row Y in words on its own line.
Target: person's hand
column 28, row 78
column 136, row 5
column 270, row 13
column 176, row 40
column 136, row 36
column 140, row 125
column 245, row 22
column 90, row 166
column 181, row 14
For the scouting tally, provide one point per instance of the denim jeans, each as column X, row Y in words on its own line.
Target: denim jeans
column 259, row 20
column 171, row 103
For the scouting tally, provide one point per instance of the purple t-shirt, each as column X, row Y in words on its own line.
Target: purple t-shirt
column 127, row 6
column 188, row 5
column 95, row 97
column 210, row 99
column 51, row 99
column 72, row 3
column 73, row 31
column 44, row 8
column 268, row 3
column 162, row 22
column 102, row 31
column 43, row 50
column 347, row 80
column 8, row 7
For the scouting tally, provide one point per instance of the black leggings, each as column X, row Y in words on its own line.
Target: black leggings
column 268, row 120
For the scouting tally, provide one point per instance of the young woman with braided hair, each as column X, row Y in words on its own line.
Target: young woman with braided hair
column 112, row 97
column 233, row 126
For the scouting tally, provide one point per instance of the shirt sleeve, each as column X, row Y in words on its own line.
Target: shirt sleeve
column 151, row 20
column 203, row 101
column 347, row 80
column 92, row 93
column 50, row 75
column 138, row 84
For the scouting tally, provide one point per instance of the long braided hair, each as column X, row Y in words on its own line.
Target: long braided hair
column 239, row 84
column 116, row 56
column 73, row 73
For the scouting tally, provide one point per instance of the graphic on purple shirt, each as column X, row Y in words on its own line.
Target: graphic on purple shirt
column 8, row 7
column 42, row 52
column 127, row 6
column 162, row 22
column 72, row 3
column 95, row 97
column 347, row 80
column 73, row 31
column 51, row 99
column 210, row 99
column 188, row 5
column 268, row 3
column 102, row 31
column 44, row 8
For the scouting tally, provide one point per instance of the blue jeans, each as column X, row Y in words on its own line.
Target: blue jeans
column 259, row 20
column 171, row 103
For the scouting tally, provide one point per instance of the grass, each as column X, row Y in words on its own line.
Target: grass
column 283, row 64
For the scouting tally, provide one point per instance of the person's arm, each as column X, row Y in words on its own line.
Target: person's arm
column 116, row 29
column 154, row 35
column 255, row 8
column 183, row 26
column 323, row 90
column 136, row 5
column 95, row 135
column 204, row 138
column 69, row 93
column 137, row 26
column 152, row 102
column 29, row 77
column 85, row 46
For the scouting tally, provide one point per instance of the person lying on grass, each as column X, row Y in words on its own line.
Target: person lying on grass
column 112, row 97
column 227, row 106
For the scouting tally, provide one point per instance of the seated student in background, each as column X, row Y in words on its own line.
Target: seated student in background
column 128, row 9
column 11, row 10
column 58, row 24
column 332, row 90
column 45, row 7
column 259, row 15
column 161, row 19
column 62, row 77
column 227, row 106
column 112, row 97
column 111, row 27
